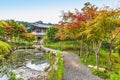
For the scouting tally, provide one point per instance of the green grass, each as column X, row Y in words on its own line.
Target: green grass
column 101, row 74
column 56, row 74
column 60, row 70
column 63, row 45
column 103, row 60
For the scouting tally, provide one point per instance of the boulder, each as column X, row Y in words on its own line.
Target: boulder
column 95, row 67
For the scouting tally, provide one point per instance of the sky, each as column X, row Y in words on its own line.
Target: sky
column 45, row 10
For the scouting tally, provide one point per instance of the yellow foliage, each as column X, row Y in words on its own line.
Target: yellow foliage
column 29, row 37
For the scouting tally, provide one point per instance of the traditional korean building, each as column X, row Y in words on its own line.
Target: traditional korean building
column 40, row 28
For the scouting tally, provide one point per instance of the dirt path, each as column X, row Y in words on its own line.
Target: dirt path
column 74, row 70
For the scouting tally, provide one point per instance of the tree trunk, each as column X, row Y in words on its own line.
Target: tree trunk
column 81, row 48
column 110, row 50
column 74, row 45
column 96, row 47
column 97, row 60
column 87, row 53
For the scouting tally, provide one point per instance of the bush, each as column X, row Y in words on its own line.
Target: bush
column 46, row 39
column 4, row 48
column 29, row 37
column 12, row 76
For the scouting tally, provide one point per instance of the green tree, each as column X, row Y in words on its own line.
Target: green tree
column 51, row 33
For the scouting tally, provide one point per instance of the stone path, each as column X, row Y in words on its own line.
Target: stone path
column 74, row 70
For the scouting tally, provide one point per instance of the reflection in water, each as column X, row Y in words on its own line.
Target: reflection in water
column 38, row 67
column 4, row 77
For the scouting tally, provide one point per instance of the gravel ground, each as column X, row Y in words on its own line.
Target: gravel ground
column 74, row 70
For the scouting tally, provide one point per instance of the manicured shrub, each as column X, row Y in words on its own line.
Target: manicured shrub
column 4, row 48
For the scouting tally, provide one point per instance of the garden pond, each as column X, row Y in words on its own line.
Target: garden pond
column 24, row 64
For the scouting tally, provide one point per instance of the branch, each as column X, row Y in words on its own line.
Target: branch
column 115, row 36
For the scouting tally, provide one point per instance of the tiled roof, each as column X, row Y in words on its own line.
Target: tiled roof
column 42, row 25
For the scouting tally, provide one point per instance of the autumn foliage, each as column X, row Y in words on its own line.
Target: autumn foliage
column 29, row 37
column 90, row 27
